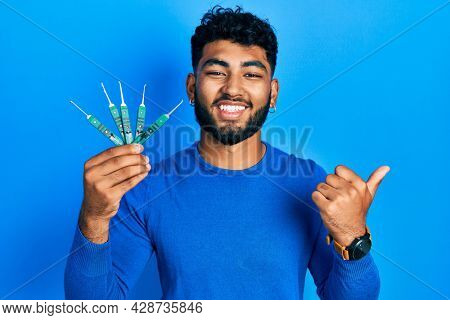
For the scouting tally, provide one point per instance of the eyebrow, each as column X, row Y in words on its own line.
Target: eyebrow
column 252, row 63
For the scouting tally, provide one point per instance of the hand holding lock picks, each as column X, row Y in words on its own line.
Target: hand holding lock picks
column 113, row 172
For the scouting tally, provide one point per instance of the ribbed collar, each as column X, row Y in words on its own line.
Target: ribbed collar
column 255, row 169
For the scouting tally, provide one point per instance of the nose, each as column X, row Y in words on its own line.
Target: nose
column 232, row 86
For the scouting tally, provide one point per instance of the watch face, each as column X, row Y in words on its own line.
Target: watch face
column 361, row 248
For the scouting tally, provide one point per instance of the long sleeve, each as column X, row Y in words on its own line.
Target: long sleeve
column 109, row 270
column 336, row 278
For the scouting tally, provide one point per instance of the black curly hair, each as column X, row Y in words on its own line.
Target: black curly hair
column 237, row 26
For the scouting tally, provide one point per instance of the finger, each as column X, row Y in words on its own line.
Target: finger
column 375, row 179
column 128, row 184
column 133, row 148
column 349, row 175
column 329, row 192
column 116, row 163
column 320, row 200
column 336, row 181
column 121, row 175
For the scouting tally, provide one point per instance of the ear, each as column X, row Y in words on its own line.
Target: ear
column 275, row 87
column 190, row 86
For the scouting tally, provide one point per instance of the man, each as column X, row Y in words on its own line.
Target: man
column 230, row 217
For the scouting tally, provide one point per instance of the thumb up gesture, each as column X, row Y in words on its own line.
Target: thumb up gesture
column 344, row 200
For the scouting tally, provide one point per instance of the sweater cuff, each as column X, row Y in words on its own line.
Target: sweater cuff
column 91, row 258
column 353, row 270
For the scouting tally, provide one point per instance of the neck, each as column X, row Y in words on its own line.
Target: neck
column 239, row 156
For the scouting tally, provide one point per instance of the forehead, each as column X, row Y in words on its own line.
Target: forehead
column 233, row 53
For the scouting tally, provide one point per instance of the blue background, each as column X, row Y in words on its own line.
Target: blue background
column 368, row 100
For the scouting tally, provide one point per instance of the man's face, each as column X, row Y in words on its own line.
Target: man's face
column 233, row 90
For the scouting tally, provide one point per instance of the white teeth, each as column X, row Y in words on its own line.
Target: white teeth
column 231, row 108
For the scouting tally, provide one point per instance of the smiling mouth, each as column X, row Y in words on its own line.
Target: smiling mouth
column 231, row 112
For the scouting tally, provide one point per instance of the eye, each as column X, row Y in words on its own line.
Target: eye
column 253, row 75
column 215, row 73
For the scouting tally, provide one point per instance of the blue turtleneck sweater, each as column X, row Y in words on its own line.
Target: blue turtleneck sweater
column 220, row 234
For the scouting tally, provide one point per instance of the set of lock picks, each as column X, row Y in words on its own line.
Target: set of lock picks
column 122, row 120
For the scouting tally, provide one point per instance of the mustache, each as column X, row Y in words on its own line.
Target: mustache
column 248, row 103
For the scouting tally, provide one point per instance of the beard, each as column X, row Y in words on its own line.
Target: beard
column 229, row 134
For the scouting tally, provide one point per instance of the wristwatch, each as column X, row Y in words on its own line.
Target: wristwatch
column 356, row 250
